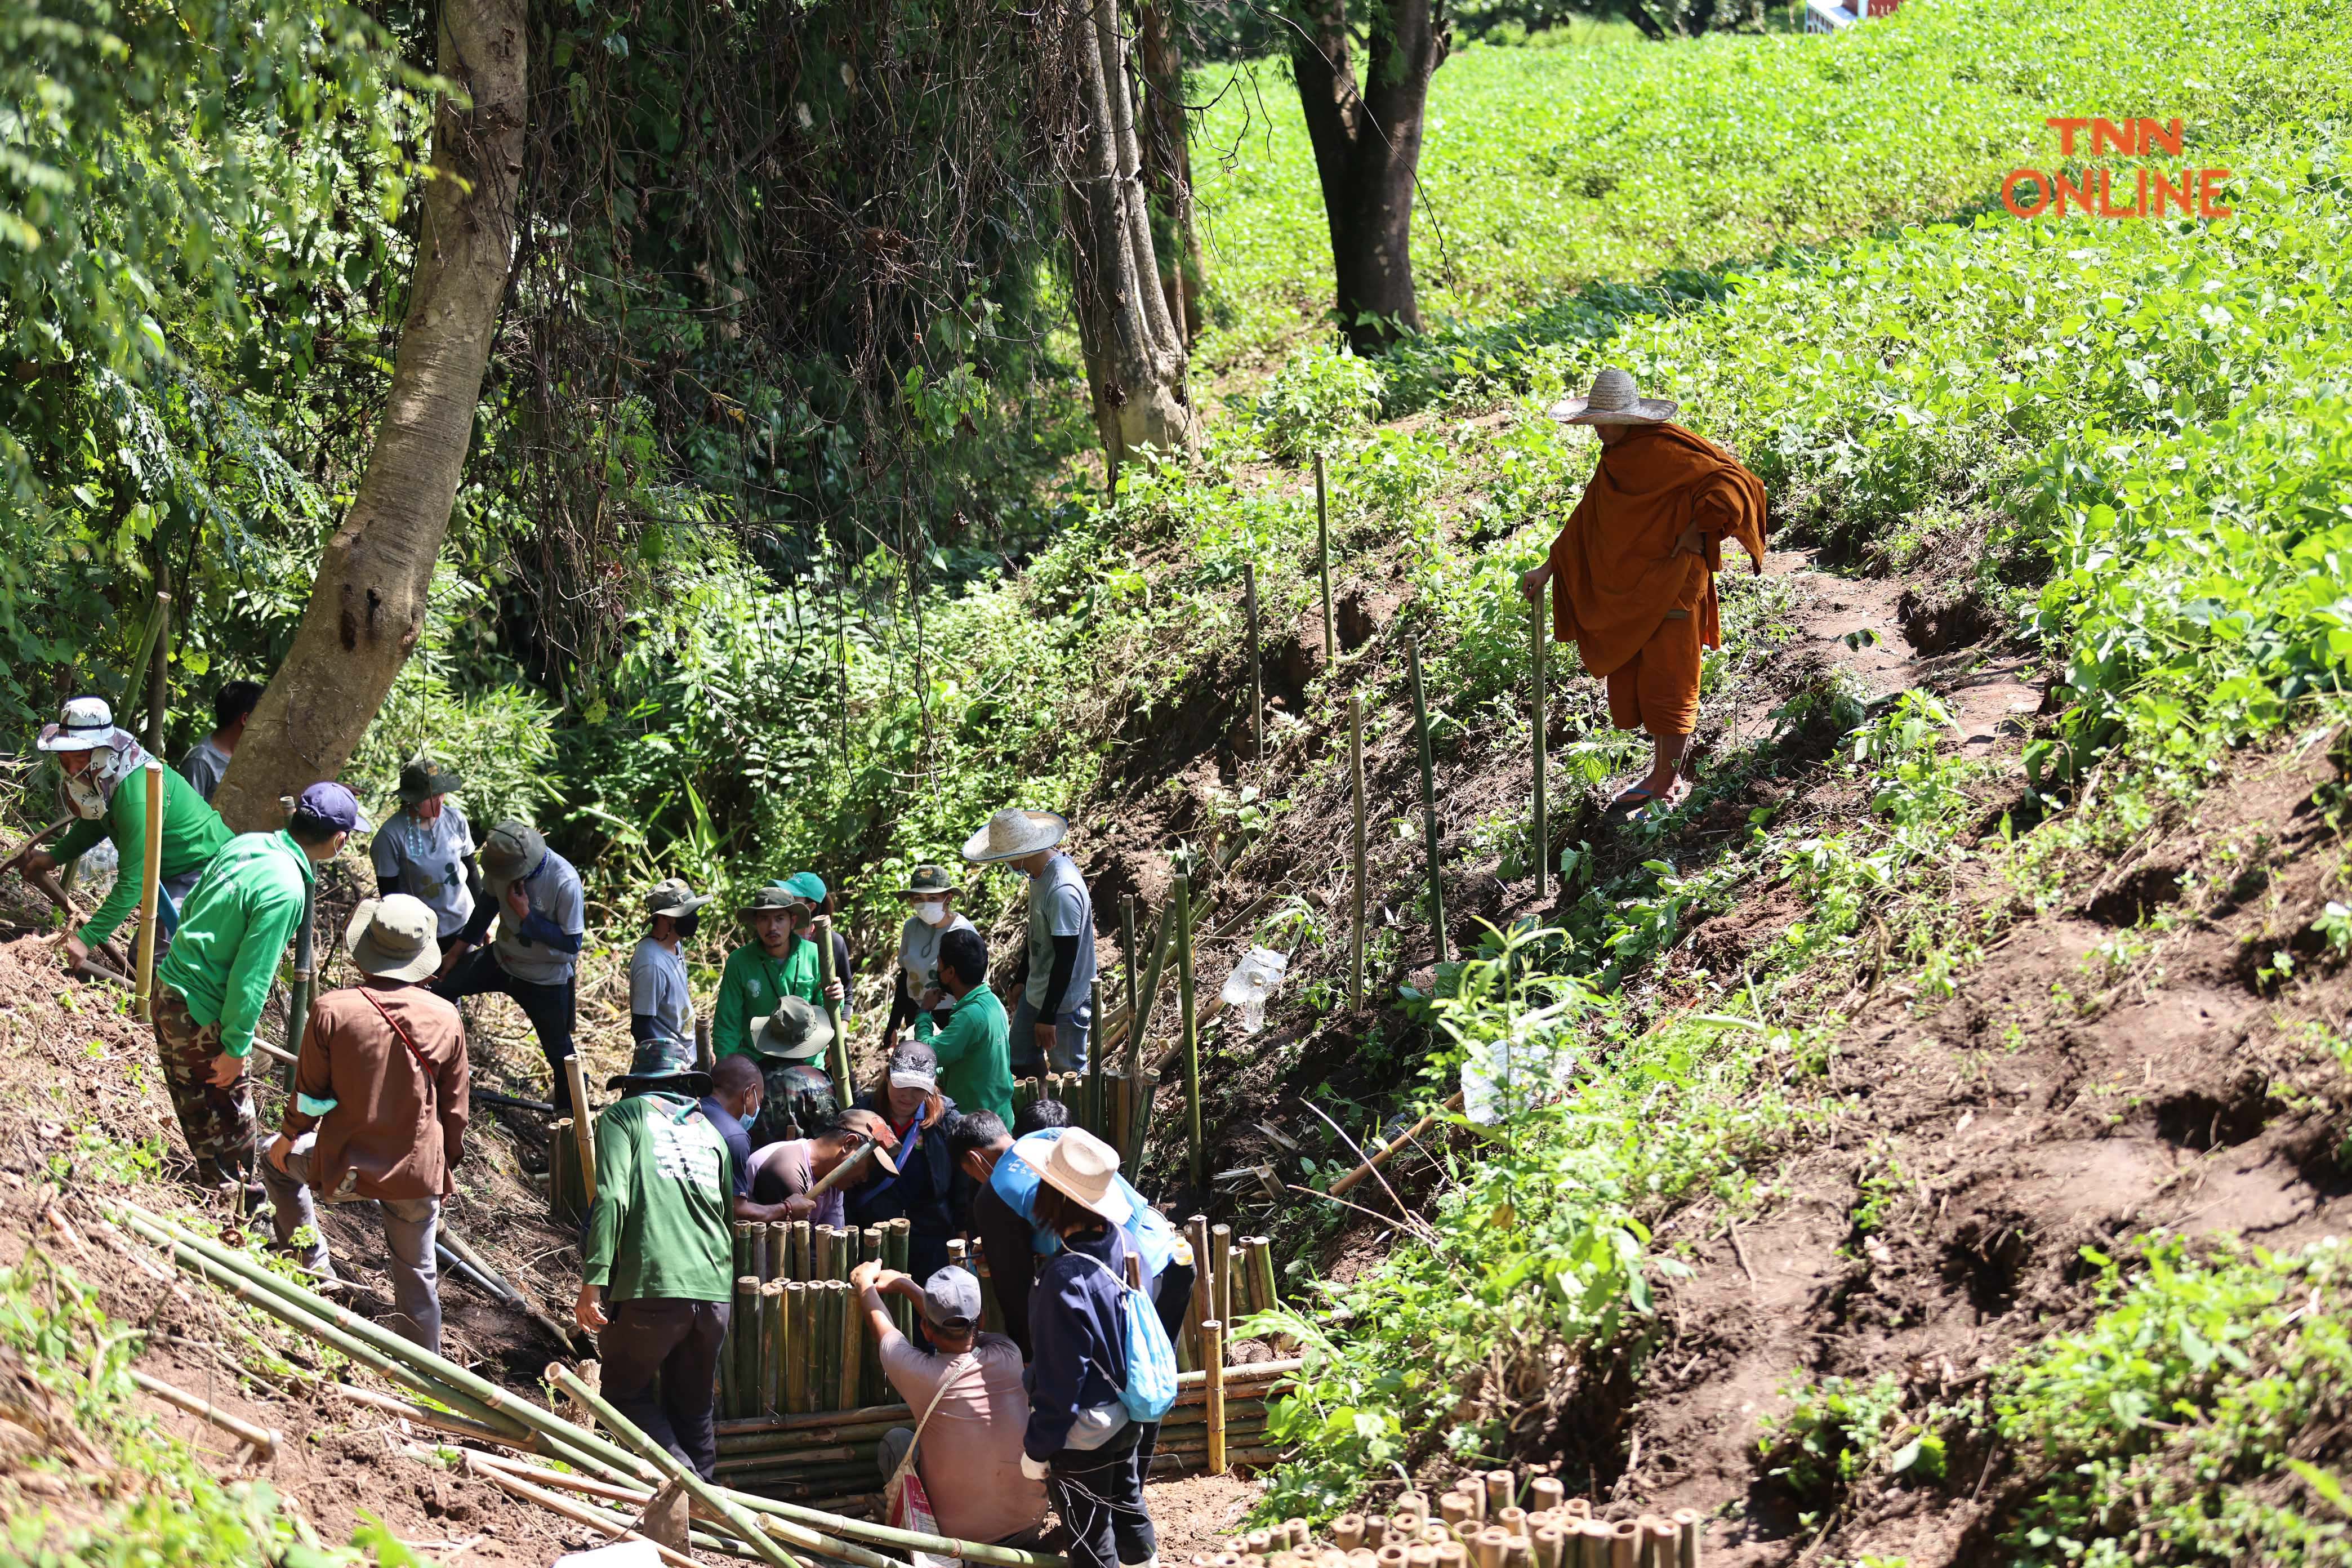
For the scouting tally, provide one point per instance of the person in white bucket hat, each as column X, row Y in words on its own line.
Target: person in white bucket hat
column 105, row 791
column 1055, row 1013
column 1635, row 568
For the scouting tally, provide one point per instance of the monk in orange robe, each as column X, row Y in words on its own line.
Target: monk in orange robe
column 1635, row 567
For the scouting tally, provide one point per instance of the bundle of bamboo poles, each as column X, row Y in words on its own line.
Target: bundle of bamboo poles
column 627, row 1467
column 1231, row 1277
column 1481, row 1523
column 1104, row 1102
column 796, row 1340
column 818, row 1454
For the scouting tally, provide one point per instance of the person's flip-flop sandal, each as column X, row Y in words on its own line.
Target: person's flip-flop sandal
column 1631, row 802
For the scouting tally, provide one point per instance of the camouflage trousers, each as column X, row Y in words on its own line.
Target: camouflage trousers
column 218, row 1123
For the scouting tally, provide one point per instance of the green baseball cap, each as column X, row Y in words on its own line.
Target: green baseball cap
column 808, row 885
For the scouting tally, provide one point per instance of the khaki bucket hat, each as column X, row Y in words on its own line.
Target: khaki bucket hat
column 393, row 938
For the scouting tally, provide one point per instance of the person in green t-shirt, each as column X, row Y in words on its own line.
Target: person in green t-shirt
column 780, row 961
column 105, row 772
column 974, row 1045
column 657, row 1276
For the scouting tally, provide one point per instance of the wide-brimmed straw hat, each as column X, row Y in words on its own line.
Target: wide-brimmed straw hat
column 393, row 938
column 1081, row 1167
column 1012, row 833
column 1614, row 400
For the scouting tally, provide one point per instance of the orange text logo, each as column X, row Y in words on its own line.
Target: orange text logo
column 2092, row 191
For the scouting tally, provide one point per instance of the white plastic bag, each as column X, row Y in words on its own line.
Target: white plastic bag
column 1253, row 983
column 1531, row 1066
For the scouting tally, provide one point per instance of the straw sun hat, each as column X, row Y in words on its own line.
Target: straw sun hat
column 1081, row 1167
column 1012, row 833
column 1614, row 400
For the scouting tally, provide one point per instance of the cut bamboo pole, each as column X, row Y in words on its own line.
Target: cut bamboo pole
column 1540, row 830
column 669, row 1464
column 796, row 1369
column 1690, row 1529
column 438, row 1420
column 853, row 1344
column 1146, row 1000
column 1130, row 964
column 583, row 1126
column 150, row 883
column 1428, row 798
column 1212, row 1360
column 837, row 1055
column 1180, row 908
column 1221, row 1289
column 803, row 1243
column 1205, row 1286
column 1358, row 892
column 264, row 1440
column 1323, row 562
column 1379, row 1156
column 1625, row 1544
column 159, row 673
column 1257, row 682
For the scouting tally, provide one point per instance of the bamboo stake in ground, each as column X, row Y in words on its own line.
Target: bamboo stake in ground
column 1358, row 893
column 1540, row 833
column 1323, row 562
column 669, row 1464
column 1095, row 1121
column 1139, row 1020
column 836, row 1056
column 1379, row 1156
column 150, row 885
column 1258, row 680
column 264, row 1440
column 583, row 1127
column 1179, row 909
column 1212, row 1362
column 1428, row 799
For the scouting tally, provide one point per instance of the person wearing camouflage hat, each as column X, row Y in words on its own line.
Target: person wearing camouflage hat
column 930, row 895
column 780, row 961
column 542, row 915
column 656, row 1272
column 659, row 1001
column 426, row 850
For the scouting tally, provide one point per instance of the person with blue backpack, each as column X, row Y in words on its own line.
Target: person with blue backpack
column 1102, row 1372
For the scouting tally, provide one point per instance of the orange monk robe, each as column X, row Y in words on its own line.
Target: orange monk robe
column 1638, row 611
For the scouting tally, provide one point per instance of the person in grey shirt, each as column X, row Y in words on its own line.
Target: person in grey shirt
column 1056, row 1012
column 207, row 759
column 542, row 917
column 426, row 850
column 930, row 893
column 659, row 1002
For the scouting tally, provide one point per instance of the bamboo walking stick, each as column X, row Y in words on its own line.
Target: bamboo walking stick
column 1179, row 909
column 836, row 1056
column 1360, row 892
column 150, row 888
column 1257, row 682
column 583, row 1128
column 1540, row 832
column 1212, row 1360
column 1428, row 799
column 1323, row 562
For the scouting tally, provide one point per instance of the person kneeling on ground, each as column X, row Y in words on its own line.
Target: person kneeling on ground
column 782, row 1173
column 1081, row 1441
column 379, row 1109
column 656, row 1279
column 970, row 1408
column 211, row 987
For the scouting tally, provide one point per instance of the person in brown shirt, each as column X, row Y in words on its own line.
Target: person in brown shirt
column 379, row 1109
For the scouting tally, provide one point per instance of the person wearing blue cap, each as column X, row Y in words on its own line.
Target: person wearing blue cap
column 210, row 988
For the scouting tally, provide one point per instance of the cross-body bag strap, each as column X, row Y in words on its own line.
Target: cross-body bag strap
column 956, row 1368
column 413, row 1054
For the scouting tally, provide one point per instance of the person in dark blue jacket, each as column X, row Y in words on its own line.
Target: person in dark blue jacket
column 1081, row 1442
column 909, row 1099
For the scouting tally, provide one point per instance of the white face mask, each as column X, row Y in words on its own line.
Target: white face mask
column 931, row 911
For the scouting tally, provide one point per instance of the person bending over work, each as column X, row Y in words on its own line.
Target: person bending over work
column 105, row 792
column 1633, row 570
column 788, row 1047
column 207, row 761
column 426, row 851
column 542, row 918
column 783, row 1173
column 931, row 894
column 1056, row 1012
column 1081, row 1441
column 732, row 1105
column 780, row 961
column 907, row 1097
column 659, row 1000
column 210, row 988
column 379, row 1109
column 656, row 1278
column 973, row 1041
column 966, row 1393
column 1003, row 1219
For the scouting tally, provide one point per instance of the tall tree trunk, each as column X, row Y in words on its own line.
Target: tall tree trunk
column 1368, row 152
column 1135, row 357
column 367, row 604
column 1168, row 163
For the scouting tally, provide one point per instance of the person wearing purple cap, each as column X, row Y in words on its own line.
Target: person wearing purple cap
column 210, row 988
